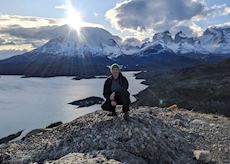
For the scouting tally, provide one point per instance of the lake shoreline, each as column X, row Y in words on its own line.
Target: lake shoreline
column 85, row 110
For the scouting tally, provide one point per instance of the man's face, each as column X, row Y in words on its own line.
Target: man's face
column 115, row 73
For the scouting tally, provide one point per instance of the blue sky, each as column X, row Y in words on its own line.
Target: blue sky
column 46, row 8
column 216, row 20
column 132, row 18
column 87, row 8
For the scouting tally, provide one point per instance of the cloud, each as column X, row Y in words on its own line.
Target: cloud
column 150, row 16
column 132, row 41
column 27, row 21
column 188, row 27
column 6, row 42
column 35, row 28
column 37, row 33
column 63, row 6
column 95, row 14
column 26, row 39
column 2, row 41
column 19, row 33
column 226, row 24
column 213, row 11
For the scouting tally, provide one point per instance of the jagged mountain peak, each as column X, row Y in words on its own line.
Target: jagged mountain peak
column 97, row 41
column 164, row 37
column 180, row 36
column 216, row 30
column 216, row 35
column 216, row 39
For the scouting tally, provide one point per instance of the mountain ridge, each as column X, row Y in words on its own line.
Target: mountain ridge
column 77, row 54
column 99, row 41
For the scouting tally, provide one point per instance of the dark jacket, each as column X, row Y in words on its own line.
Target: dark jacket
column 107, row 91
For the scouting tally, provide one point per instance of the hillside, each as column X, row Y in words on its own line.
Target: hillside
column 154, row 135
column 204, row 88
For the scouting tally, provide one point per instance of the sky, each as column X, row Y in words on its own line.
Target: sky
column 26, row 24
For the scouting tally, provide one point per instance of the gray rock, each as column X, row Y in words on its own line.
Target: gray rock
column 35, row 131
column 144, row 139
column 202, row 156
column 178, row 116
column 179, row 122
column 197, row 122
column 74, row 158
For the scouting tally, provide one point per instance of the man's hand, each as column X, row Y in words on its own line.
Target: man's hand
column 112, row 96
column 113, row 103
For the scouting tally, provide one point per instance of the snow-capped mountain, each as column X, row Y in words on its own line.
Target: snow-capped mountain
column 88, row 41
column 99, row 42
column 215, row 40
column 165, row 37
column 88, row 52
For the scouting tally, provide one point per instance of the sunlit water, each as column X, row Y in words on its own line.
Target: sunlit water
column 30, row 103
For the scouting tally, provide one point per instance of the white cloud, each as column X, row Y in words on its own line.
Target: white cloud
column 27, row 21
column 24, row 33
column 95, row 14
column 131, row 41
column 143, row 17
column 226, row 24
column 63, row 6
column 188, row 27
column 227, row 10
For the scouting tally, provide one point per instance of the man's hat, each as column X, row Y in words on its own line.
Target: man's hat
column 115, row 65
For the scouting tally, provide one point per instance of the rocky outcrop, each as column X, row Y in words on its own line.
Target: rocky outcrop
column 10, row 137
column 151, row 136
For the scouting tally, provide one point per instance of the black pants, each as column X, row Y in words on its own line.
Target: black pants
column 122, row 98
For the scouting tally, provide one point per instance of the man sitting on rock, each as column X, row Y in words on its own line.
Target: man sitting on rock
column 116, row 92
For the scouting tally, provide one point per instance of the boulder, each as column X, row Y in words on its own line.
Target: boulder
column 203, row 156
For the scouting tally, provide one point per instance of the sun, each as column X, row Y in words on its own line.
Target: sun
column 73, row 18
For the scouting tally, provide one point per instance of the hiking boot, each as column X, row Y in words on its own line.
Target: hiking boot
column 112, row 114
column 126, row 116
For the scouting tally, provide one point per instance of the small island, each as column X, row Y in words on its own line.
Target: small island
column 89, row 77
column 83, row 77
column 87, row 101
